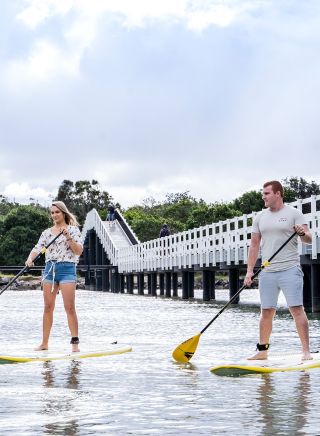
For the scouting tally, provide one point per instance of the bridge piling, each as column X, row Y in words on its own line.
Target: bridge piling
column 234, row 275
column 315, row 282
column 149, row 284
column 161, row 283
column 92, row 259
column 174, row 284
column 140, row 284
column 115, row 280
column 206, row 285
column 129, row 283
column 99, row 250
column 168, row 282
column 185, row 285
column 154, row 284
column 307, row 295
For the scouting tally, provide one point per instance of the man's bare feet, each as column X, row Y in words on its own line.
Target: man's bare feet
column 306, row 355
column 75, row 348
column 260, row 355
column 41, row 348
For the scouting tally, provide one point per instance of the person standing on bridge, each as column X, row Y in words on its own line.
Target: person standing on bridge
column 271, row 228
column 60, row 270
column 111, row 213
column 164, row 231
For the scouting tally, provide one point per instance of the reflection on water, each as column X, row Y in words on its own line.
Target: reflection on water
column 283, row 410
column 145, row 392
column 61, row 404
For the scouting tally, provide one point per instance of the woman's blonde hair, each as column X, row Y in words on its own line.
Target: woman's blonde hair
column 70, row 219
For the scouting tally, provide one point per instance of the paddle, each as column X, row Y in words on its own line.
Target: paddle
column 26, row 268
column 185, row 351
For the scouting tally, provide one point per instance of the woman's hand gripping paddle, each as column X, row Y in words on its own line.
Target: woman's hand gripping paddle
column 26, row 268
column 185, row 351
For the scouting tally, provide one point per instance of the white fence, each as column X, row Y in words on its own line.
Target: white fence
column 223, row 242
column 93, row 221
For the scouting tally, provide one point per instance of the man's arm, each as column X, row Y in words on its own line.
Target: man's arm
column 252, row 257
column 304, row 233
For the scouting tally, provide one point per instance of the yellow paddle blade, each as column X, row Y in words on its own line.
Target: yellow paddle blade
column 185, row 351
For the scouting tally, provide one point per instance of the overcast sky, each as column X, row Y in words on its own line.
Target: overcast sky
column 155, row 96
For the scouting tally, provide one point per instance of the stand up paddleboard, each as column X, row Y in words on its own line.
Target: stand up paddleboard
column 276, row 363
column 54, row 354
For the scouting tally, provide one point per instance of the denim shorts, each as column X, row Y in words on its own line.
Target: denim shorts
column 59, row 272
column 289, row 281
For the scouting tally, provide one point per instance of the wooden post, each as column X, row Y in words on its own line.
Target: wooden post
column 105, row 273
column 140, row 283
column 307, row 296
column 168, row 284
column 174, row 284
column 154, row 284
column 206, row 285
column 212, row 283
column 98, row 262
column 185, row 285
column 86, row 262
column 234, row 284
column 161, row 283
column 315, row 287
column 130, row 283
column 149, row 284
column 115, row 280
column 92, row 259
column 191, row 284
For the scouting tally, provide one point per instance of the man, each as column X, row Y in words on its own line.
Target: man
column 272, row 227
column 111, row 213
column 164, row 231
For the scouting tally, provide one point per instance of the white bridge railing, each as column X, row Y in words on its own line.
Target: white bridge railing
column 93, row 221
column 223, row 242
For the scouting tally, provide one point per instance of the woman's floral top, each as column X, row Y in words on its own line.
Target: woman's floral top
column 59, row 250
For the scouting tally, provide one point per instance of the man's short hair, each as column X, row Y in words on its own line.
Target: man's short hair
column 276, row 186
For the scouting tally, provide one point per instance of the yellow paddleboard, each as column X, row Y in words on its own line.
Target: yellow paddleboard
column 54, row 354
column 275, row 363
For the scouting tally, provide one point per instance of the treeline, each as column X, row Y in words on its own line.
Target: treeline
column 182, row 211
column 20, row 225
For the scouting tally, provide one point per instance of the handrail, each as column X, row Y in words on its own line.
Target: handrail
column 225, row 242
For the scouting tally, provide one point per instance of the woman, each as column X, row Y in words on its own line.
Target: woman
column 60, row 270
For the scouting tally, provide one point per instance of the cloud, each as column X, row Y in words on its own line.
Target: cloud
column 23, row 193
column 151, row 97
column 60, row 54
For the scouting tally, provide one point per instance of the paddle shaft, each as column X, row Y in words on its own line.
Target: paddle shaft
column 244, row 286
column 26, row 268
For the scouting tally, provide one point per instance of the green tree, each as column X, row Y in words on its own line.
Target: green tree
column 82, row 196
column 6, row 205
column 147, row 227
column 298, row 188
column 249, row 202
column 20, row 230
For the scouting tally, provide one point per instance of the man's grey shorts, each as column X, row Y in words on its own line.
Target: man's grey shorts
column 290, row 281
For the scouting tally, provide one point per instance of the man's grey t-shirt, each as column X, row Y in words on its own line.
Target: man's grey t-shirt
column 275, row 228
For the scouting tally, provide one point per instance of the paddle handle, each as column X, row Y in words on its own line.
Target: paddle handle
column 26, row 268
column 244, row 286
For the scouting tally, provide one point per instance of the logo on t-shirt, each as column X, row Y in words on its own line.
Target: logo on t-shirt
column 283, row 220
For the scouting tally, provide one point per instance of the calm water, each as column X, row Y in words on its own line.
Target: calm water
column 145, row 392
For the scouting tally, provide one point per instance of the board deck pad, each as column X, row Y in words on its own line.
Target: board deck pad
column 275, row 363
column 62, row 354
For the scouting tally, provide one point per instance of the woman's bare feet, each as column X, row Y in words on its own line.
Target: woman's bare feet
column 41, row 348
column 260, row 355
column 306, row 355
column 75, row 348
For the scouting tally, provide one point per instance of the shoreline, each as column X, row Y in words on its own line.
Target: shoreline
column 31, row 283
